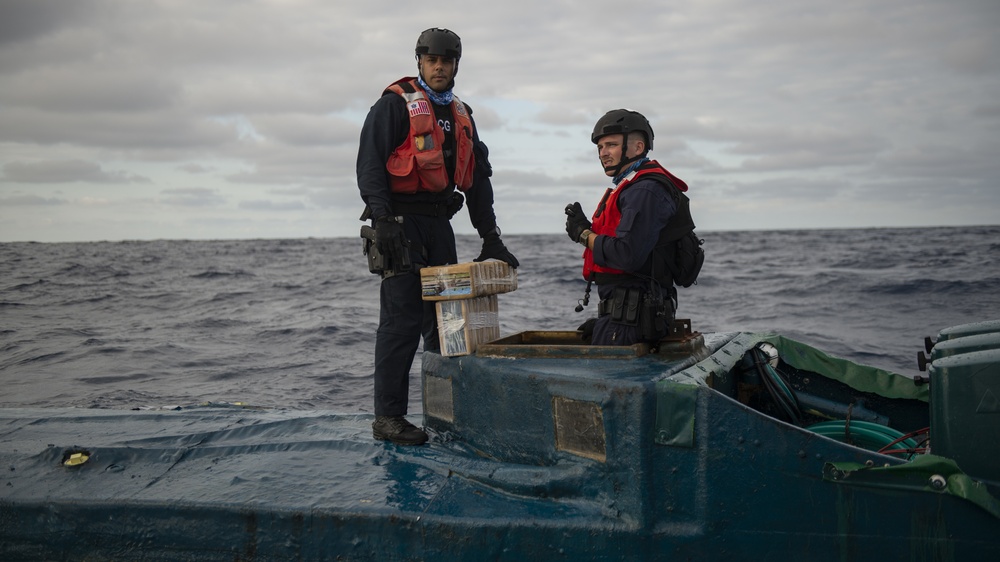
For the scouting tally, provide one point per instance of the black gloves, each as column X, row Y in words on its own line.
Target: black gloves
column 391, row 242
column 576, row 222
column 493, row 248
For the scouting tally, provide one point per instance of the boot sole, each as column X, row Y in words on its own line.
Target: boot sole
column 395, row 437
column 384, row 437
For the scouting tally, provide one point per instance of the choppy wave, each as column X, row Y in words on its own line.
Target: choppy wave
column 291, row 323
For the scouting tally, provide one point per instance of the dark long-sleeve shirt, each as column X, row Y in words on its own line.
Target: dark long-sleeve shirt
column 385, row 129
column 646, row 208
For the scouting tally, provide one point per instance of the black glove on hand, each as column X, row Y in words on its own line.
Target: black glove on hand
column 493, row 248
column 455, row 204
column 576, row 221
column 391, row 242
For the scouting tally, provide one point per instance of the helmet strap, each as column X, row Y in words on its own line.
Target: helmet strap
column 621, row 165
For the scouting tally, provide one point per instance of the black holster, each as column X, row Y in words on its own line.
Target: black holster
column 378, row 263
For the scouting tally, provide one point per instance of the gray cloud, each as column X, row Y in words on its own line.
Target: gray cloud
column 23, row 200
column 66, row 171
column 195, row 168
column 191, row 197
column 269, row 205
column 771, row 102
column 145, row 131
column 304, row 130
column 103, row 89
column 24, row 20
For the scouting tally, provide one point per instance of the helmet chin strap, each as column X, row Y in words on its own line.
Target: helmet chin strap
column 621, row 165
column 623, row 162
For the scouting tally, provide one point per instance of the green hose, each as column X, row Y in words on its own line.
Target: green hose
column 868, row 435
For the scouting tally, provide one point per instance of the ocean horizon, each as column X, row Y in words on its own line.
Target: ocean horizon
column 290, row 323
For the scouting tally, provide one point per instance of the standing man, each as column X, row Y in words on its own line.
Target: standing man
column 418, row 144
column 631, row 243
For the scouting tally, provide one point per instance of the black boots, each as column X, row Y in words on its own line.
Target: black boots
column 397, row 430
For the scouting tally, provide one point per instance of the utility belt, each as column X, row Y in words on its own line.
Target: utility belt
column 438, row 205
column 436, row 209
column 650, row 313
column 399, row 260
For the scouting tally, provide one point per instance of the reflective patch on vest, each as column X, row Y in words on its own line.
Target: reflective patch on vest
column 423, row 142
column 460, row 108
column 419, row 107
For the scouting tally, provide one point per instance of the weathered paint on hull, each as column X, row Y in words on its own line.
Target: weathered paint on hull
column 231, row 483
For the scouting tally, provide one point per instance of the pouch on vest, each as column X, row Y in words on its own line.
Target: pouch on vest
column 625, row 306
column 423, row 142
column 655, row 318
column 688, row 259
column 650, row 314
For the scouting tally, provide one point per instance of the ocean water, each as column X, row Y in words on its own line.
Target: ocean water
column 291, row 323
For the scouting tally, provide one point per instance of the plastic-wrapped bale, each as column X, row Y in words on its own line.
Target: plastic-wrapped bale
column 465, row 324
column 467, row 280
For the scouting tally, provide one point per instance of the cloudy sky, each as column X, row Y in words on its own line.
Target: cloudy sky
column 240, row 118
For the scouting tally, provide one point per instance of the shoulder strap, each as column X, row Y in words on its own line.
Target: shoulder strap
column 404, row 84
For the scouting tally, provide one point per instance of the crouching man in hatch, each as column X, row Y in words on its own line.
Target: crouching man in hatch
column 631, row 243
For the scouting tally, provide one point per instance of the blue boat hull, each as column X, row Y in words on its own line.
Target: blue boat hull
column 593, row 458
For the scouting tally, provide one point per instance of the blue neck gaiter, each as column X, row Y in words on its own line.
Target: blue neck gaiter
column 632, row 167
column 439, row 98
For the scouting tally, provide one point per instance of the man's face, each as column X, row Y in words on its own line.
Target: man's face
column 609, row 150
column 612, row 149
column 437, row 71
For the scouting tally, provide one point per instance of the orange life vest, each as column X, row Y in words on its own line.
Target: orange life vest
column 608, row 215
column 418, row 164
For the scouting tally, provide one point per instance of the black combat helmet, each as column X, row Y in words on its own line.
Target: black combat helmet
column 623, row 121
column 440, row 42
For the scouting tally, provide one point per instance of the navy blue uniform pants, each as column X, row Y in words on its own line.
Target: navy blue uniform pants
column 609, row 332
column 404, row 317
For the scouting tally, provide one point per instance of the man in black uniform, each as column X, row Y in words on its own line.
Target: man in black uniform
column 418, row 145
column 631, row 243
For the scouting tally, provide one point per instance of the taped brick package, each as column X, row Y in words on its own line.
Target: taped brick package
column 467, row 280
column 465, row 324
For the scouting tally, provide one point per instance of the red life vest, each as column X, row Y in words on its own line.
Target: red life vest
column 418, row 164
column 607, row 216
